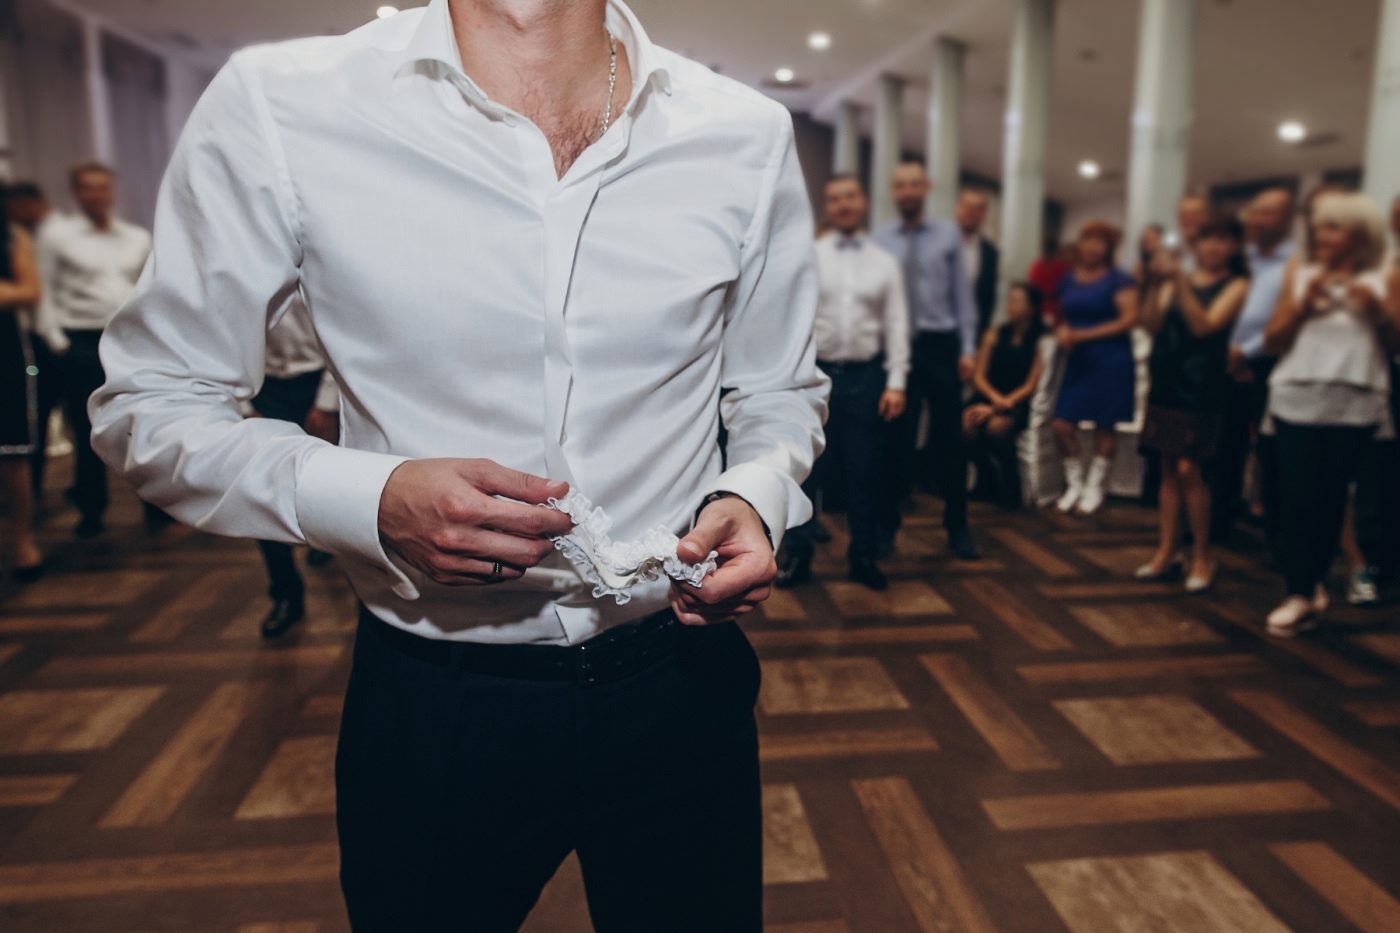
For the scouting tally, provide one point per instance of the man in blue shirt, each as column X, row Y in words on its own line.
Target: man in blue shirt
column 943, row 320
column 1270, row 221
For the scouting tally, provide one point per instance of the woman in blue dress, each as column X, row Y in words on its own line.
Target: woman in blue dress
column 1099, row 309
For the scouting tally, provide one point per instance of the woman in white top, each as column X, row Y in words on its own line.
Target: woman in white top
column 1337, row 322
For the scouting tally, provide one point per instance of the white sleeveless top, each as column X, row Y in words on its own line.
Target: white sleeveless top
column 1336, row 371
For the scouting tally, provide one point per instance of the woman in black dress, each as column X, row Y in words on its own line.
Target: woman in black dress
column 1008, row 370
column 1191, row 316
column 19, row 289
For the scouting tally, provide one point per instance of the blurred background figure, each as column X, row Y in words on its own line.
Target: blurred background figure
column 19, row 429
column 1008, row 370
column 980, row 254
column 89, row 263
column 1190, row 317
column 862, row 341
column 944, row 316
column 1334, row 331
column 1098, row 304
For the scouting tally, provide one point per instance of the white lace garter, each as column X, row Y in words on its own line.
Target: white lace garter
column 614, row 567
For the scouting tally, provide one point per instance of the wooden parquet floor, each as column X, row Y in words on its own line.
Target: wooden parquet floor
column 1029, row 743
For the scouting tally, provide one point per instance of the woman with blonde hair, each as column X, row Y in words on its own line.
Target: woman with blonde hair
column 1337, row 322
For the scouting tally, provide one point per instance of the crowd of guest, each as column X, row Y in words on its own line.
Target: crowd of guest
column 63, row 275
column 1271, row 383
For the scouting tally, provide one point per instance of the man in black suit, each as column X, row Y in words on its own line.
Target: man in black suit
column 981, row 256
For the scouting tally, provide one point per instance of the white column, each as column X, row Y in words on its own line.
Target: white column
column 1027, row 111
column 1383, row 132
column 889, row 130
column 845, row 157
column 1161, row 122
column 104, row 147
column 945, row 126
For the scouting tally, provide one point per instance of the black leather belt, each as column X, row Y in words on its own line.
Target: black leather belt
column 836, row 368
column 613, row 655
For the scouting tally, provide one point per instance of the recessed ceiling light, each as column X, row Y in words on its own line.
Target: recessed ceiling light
column 783, row 75
column 1291, row 131
column 1089, row 169
column 819, row 41
column 385, row 12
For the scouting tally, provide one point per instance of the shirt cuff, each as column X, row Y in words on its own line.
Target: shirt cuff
column 896, row 380
column 337, row 502
column 775, row 497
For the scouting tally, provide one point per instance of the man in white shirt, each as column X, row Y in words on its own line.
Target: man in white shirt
column 862, row 336
column 547, row 262
column 89, row 263
column 980, row 254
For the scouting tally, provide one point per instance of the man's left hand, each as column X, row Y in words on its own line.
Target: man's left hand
column 746, row 566
column 967, row 365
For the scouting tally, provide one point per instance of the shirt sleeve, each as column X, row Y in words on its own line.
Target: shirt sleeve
column 897, row 351
column 776, row 403
column 190, row 344
column 964, row 306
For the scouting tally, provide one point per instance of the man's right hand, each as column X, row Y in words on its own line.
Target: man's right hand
column 444, row 518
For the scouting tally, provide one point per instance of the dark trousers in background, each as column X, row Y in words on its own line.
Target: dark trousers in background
column 1245, row 403
column 933, row 380
column 82, row 376
column 50, row 395
column 459, row 793
column 854, row 439
column 286, row 400
column 1316, row 466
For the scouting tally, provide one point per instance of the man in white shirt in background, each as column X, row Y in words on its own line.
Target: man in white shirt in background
column 862, row 336
column 89, row 262
column 543, row 256
column 296, row 388
column 980, row 254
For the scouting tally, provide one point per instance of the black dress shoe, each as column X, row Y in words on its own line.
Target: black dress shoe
column 90, row 527
column 285, row 613
column 961, row 544
column 32, row 574
column 315, row 558
column 867, row 574
column 792, row 572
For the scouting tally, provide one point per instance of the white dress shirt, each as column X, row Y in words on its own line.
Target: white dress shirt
column 861, row 309
column 87, row 272
column 293, row 350
column 972, row 255
column 472, row 304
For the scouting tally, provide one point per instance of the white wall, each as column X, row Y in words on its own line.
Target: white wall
column 1077, row 213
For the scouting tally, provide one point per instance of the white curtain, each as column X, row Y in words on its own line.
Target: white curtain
column 46, row 108
column 136, row 92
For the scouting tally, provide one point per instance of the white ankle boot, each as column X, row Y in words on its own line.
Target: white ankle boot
column 1074, row 485
column 1092, row 498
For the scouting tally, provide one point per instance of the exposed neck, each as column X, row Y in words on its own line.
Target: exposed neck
column 99, row 220
column 525, row 52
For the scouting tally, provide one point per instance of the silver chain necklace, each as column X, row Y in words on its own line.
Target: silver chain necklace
column 612, row 84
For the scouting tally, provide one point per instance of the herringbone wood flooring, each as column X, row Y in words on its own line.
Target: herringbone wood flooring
column 1032, row 742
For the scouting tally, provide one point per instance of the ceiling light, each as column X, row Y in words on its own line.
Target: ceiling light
column 385, row 12
column 783, row 75
column 819, row 41
column 1291, row 131
column 1089, row 169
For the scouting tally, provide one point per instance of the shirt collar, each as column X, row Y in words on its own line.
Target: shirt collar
column 1280, row 252
column 433, row 40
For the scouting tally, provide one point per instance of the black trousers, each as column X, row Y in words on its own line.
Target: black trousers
column 1317, row 465
column 934, row 381
column 1244, row 410
column 82, row 376
column 459, row 793
column 851, row 460
column 1378, row 494
column 286, row 400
